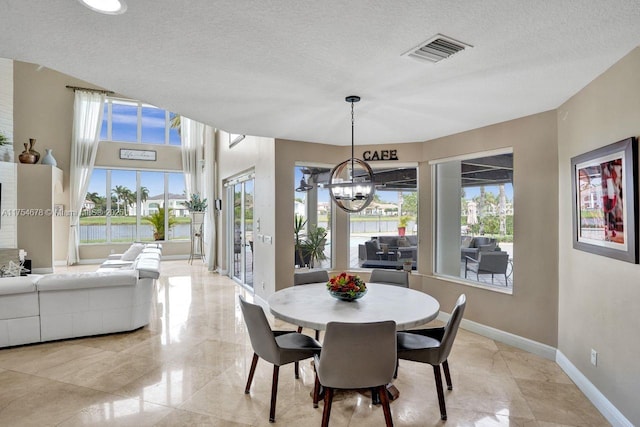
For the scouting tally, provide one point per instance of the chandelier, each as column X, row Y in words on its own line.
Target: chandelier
column 351, row 183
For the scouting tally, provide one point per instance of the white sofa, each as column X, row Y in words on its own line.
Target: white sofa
column 68, row 305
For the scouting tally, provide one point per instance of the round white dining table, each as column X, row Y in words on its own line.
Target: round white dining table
column 313, row 307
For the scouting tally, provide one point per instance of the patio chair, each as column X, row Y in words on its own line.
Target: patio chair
column 488, row 263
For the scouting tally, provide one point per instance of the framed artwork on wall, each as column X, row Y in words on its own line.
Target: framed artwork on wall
column 604, row 201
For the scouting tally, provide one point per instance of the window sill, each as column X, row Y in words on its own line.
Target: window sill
column 473, row 284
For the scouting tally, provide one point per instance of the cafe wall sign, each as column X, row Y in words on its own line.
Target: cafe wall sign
column 370, row 156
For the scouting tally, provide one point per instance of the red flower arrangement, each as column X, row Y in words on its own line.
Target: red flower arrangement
column 349, row 285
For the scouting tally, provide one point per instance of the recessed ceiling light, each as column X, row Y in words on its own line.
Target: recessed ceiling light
column 108, row 7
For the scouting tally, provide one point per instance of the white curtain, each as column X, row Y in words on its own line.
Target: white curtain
column 88, row 109
column 192, row 138
column 198, row 165
column 210, row 186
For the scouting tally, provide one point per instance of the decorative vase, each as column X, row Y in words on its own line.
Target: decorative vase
column 27, row 156
column 346, row 296
column 32, row 150
column 48, row 158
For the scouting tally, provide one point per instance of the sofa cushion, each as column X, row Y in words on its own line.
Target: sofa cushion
column 148, row 267
column 133, row 251
column 94, row 279
column 403, row 243
column 17, row 285
column 412, row 239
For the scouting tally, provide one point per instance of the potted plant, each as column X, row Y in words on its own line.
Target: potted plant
column 156, row 220
column 195, row 204
column 196, row 207
column 298, row 227
column 3, row 139
column 403, row 221
column 313, row 246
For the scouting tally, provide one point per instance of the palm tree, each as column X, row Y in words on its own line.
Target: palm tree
column 156, row 220
column 144, row 195
column 175, row 123
column 123, row 195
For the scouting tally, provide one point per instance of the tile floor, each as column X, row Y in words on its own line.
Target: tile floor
column 189, row 367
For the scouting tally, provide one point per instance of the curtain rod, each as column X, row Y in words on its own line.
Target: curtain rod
column 106, row 92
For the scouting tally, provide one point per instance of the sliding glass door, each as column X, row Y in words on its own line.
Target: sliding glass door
column 241, row 242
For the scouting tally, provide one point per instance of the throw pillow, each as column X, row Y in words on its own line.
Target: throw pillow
column 133, row 251
column 403, row 243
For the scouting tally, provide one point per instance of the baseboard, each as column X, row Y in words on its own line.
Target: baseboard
column 60, row 263
column 542, row 350
column 606, row 408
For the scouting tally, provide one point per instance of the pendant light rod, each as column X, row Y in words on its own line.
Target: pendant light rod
column 352, row 99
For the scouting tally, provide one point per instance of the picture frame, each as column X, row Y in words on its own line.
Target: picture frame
column 129, row 154
column 605, row 202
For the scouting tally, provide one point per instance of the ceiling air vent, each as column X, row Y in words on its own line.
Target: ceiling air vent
column 436, row 49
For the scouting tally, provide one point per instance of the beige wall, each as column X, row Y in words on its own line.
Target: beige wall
column 43, row 109
column 599, row 296
column 531, row 311
column 251, row 154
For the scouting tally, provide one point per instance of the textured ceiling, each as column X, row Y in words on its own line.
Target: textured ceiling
column 282, row 68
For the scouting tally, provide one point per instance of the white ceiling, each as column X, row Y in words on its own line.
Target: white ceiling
column 282, row 68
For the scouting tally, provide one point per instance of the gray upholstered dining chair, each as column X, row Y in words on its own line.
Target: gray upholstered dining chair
column 433, row 346
column 311, row 276
column 306, row 278
column 390, row 277
column 277, row 347
column 354, row 356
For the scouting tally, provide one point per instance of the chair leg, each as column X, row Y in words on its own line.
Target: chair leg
column 274, row 393
column 384, row 399
column 254, row 363
column 296, row 369
column 326, row 413
column 438, row 376
column 375, row 396
column 299, row 329
column 316, row 392
column 395, row 373
column 317, row 335
column 447, row 375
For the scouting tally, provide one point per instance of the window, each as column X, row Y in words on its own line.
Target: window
column 140, row 206
column 128, row 205
column 134, row 121
column 385, row 234
column 312, row 224
column 474, row 219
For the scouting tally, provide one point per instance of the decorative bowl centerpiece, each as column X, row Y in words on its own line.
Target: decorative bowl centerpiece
column 346, row 287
